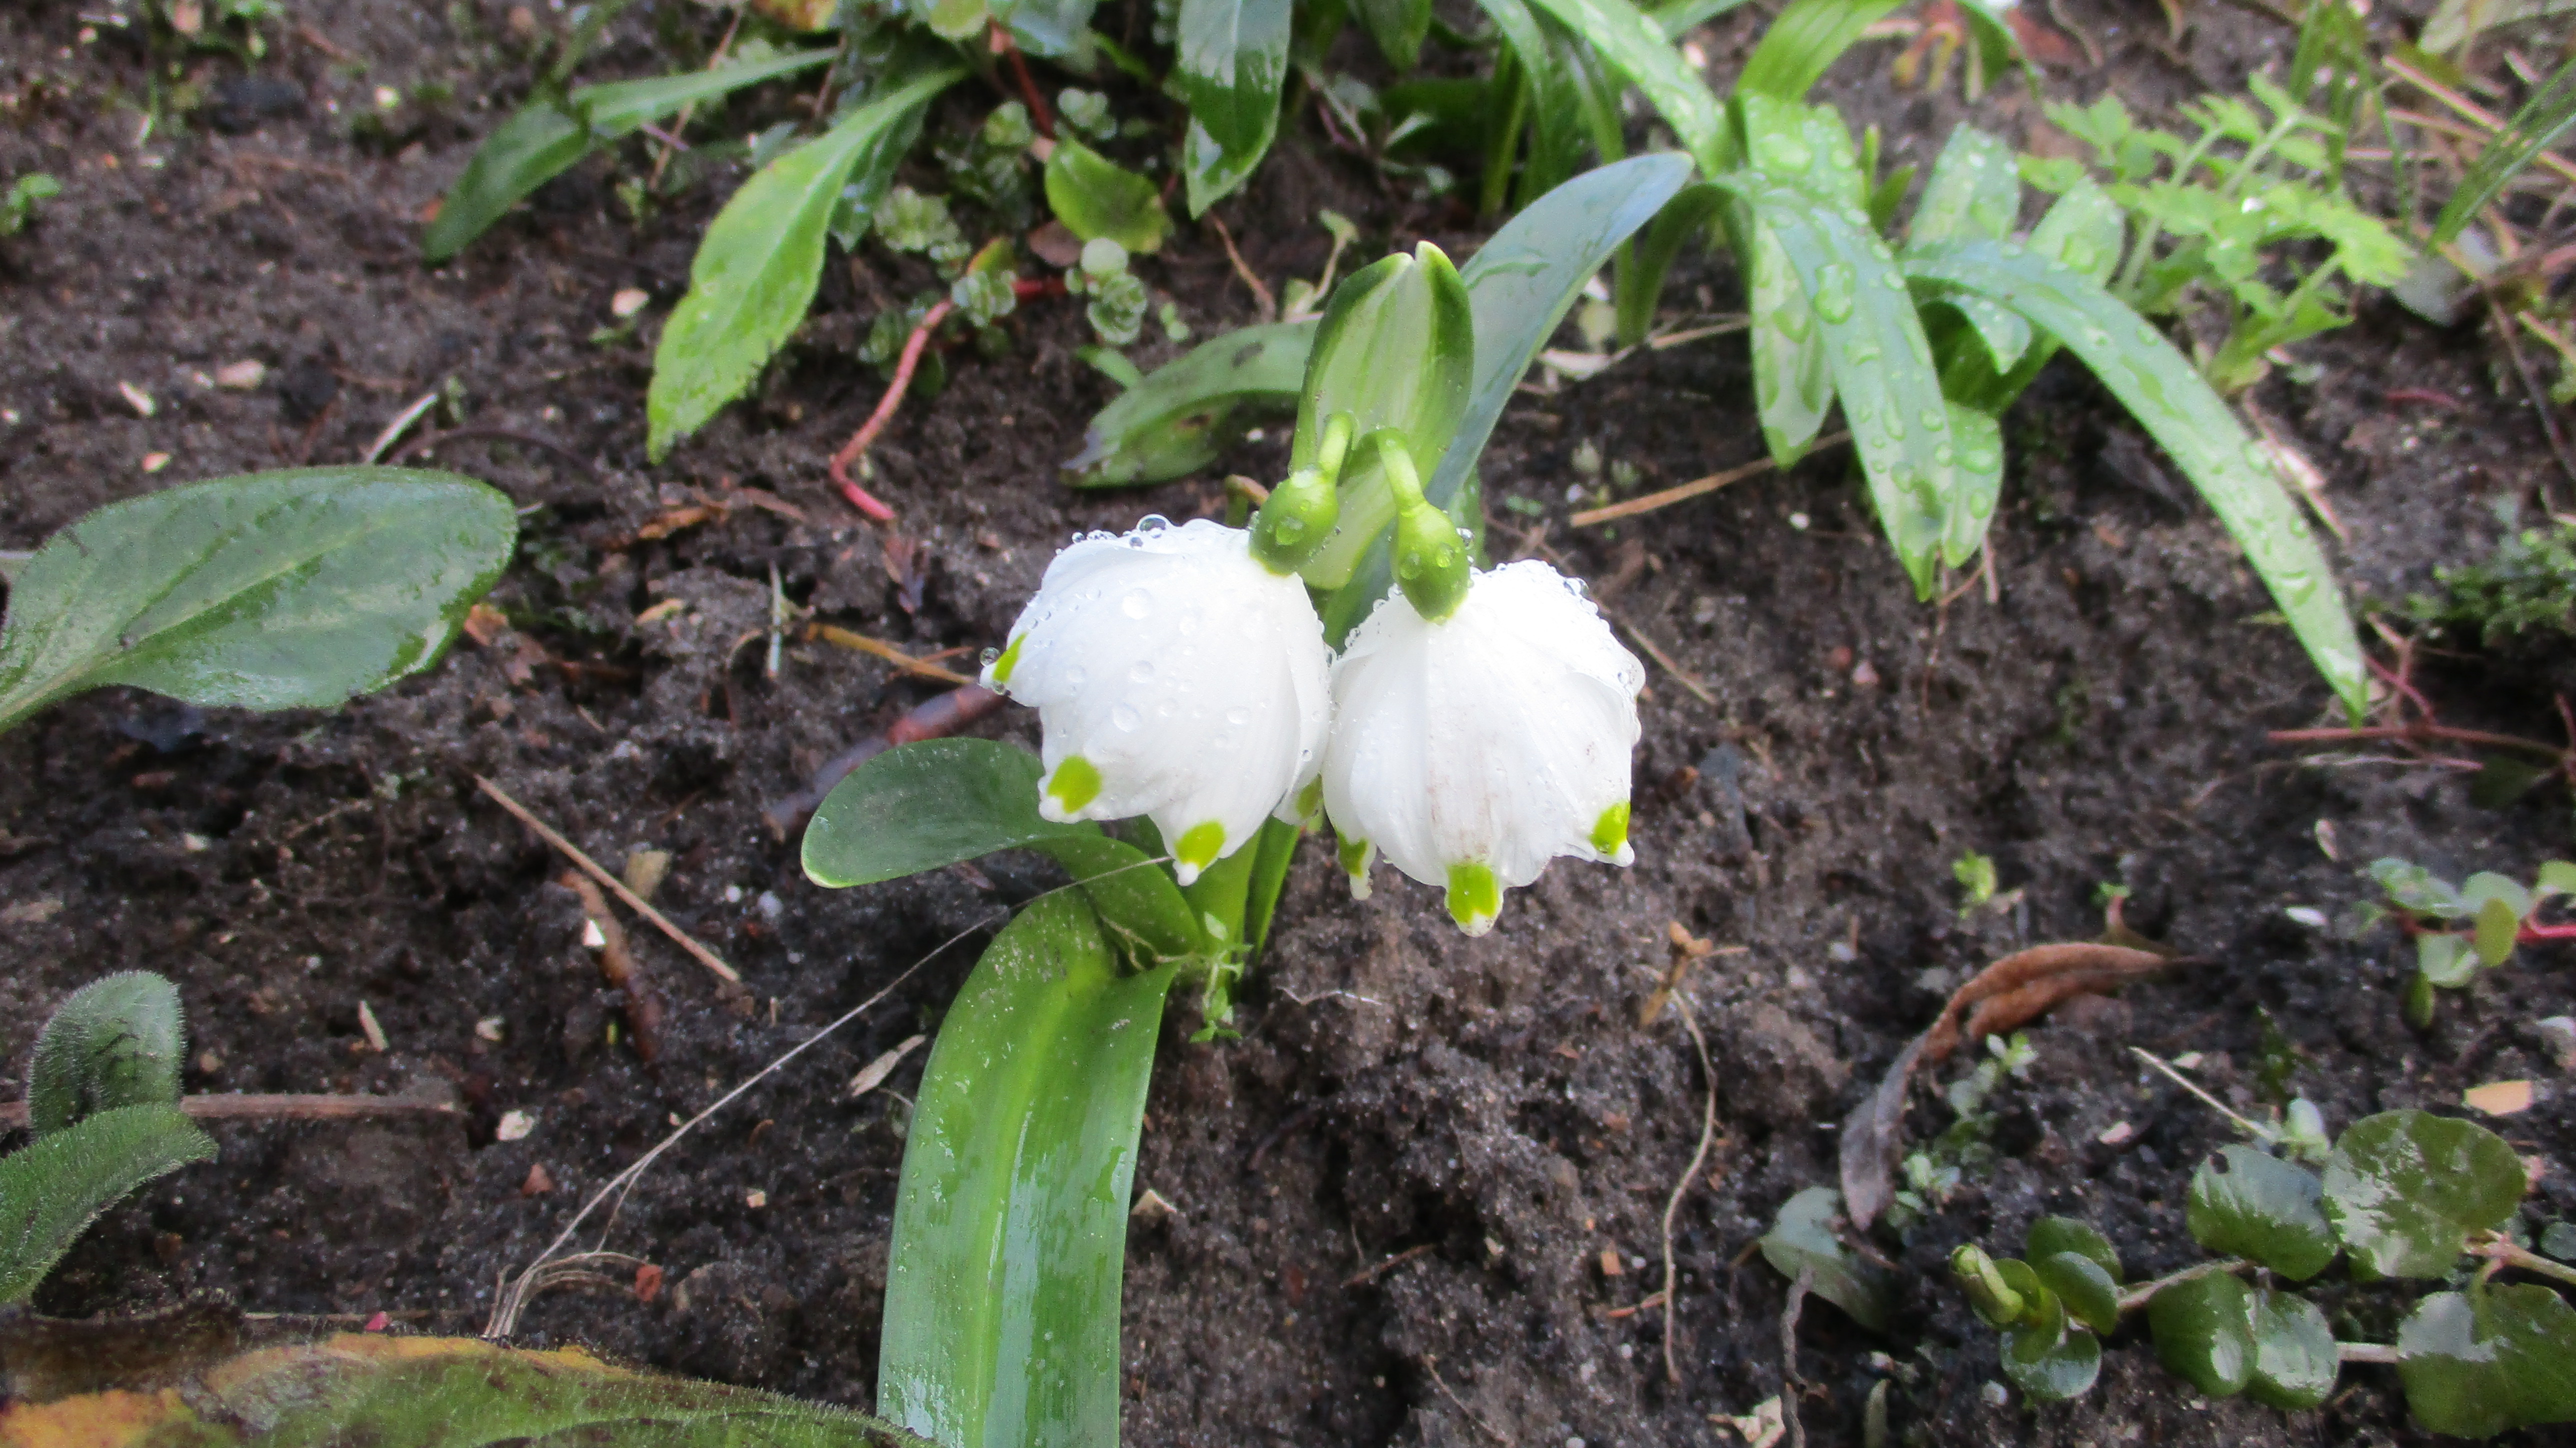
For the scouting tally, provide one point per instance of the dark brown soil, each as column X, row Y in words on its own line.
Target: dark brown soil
column 1398, row 1087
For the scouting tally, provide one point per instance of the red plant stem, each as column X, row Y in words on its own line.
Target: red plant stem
column 860, row 498
column 1039, row 115
column 2416, row 733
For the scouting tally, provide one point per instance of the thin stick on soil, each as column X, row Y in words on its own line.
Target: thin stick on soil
column 1699, row 1158
column 2540, row 401
column 1684, row 492
column 1267, row 305
column 617, row 887
column 1431, row 1365
column 903, row 662
column 1789, row 1379
column 857, row 447
column 2416, row 734
column 331, row 1107
column 1680, row 675
column 1365, row 1275
column 617, row 965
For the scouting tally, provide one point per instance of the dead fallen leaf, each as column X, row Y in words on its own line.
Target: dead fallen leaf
column 2498, row 1098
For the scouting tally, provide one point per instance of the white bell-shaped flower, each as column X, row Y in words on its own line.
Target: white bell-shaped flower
column 1473, row 750
column 1175, row 677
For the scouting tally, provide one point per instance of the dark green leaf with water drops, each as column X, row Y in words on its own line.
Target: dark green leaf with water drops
column 2065, row 1234
column 1978, row 442
column 1973, row 192
column 2246, row 1204
column 2090, row 1294
column 1010, row 1225
column 2204, row 1330
column 2405, row 1188
column 923, row 805
column 2295, row 1358
column 1095, row 197
column 2160, row 387
column 284, row 590
column 757, row 266
column 1806, row 39
column 1231, row 59
column 1635, row 43
column 2480, row 1362
column 53, row 1189
column 116, row 1041
column 1793, row 383
column 2052, row 1367
column 1189, row 410
column 1803, row 1237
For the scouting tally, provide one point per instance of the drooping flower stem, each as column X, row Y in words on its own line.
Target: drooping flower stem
column 1297, row 520
column 1430, row 563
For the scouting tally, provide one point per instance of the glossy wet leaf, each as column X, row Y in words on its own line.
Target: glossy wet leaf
column 2204, row 1330
column 1803, row 1237
column 545, row 137
column 2481, row 1362
column 2295, row 1359
column 1188, row 411
column 1793, row 384
column 1806, row 39
column 927, row 804
column 1230, row 61
column 1974, row 192
column 2052, row 1367
column 2090, row 1294
column 2167, row 395
column 51, row 1190
column 757, row 267
column 1001, row 1310
column 2405, row 1188
column 2065, row 1234
column 280, row 590
column 1398, row 26
column 117, row 1041
column 1636, row 45
column 2244, row 1203
column 376, row 1388
column 1096, row 197
column 2416, row 889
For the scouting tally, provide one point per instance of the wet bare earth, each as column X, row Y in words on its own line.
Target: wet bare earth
column 1485, row 1115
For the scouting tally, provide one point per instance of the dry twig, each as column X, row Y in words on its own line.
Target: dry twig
column 1690, row 1174
column 1684, row 492
column 617, row 887
column 330, row 1107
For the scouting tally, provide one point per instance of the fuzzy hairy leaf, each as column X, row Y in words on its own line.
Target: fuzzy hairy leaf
column 116, row 1041
column 51, row 1191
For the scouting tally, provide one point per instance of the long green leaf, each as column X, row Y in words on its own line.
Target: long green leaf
column 1556, row 101
column 1641, row 277
column 552, row 132
column 1209, row 172
column 1010, row 1228
column 116, row 1042
column 756, row 269
column 1231, row 60
column 282, row 590
column 1973, row 191
column 1882, row 366
column 1183, row 414
column 2160, row 387
column 1803, row 42
column 1398, row 26
column 1807, row 149
column 1635, row 43
column 51, row 1191
column 2534, row 129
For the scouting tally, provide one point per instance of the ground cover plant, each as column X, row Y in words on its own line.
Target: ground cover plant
column 1412, row 1185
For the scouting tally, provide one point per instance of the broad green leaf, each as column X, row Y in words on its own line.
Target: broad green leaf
column 2534, row 129
column 2052, row 1366
column 1803, row 1237
column 2090, row 1294
column 2204, row 1330
column 2166, row 394
column 1051, row 28
column 1793, row 384
column 285, row 590
column 2050, row 1235
column 2295, row 1359
column 923, row 805
column 1803, row 42
column 550, row 133
column 1882, row 367
column 1974, row 192
column 2478, row 1363
column 1231, row 60
column 116, row 1042
column 53, row 1189
column 2084, row 229
column 1209, row 172
column 1010, row 1226
column 1096, row 197
column 2405, row 1188
column 2246, row 1204
column 757, row 266
column 1978, row 442
column 1803, row 147
column 1141, row 911
column 2557, row 877
column 1396, row 349
column 1635, row 44
column 1186, row 412
column 1398, row 26
column 2497, row 927
column 201, row 1388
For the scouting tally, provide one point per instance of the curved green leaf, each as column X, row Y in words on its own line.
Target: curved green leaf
column 756, row 269
column 2204, row 1330
column 2246, row 1204
column 282, row 590
column 2050, row 1235
column 1974, row 192
column 1210, row 172
column 52, row 1190
column 2478, row 1363
column 923, row 805
column 1001, row 1311
column 1803, row 1237
column 1634, row 42
column 2091, row 1295
column 1096, row 197
column 619, row 107
column 1803, row 42
column 1556, row 108
column 2166, row 394
column 1641, row 276
column 1182, row 415
column 116, row 1041
column 1141, row 910
column 2405, row 1188
column 1051, row 28
column 1793, row 381
column 2295, row 1358
column 2052, row 1366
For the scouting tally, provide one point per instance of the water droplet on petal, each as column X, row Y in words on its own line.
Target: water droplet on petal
column 1141, row 672
column 1126, row 718
column 1137, row 604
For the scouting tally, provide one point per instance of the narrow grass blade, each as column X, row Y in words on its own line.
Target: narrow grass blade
column 1634, row 42
column 1803, row 42
column 2534, row 129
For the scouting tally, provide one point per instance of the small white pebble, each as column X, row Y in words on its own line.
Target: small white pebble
column 242, row 376
column 627, row 302
column 138, row 399
column 2120, row 1131
column 1994, row 1394
column 2307, row 915
column 592, row 935
column 154, row 462
column 195, row 844
column 755, row 1200
column 488, row 1028
column 1798, row 521
column 733, row 894
column 769, row 905
column 515, row 1126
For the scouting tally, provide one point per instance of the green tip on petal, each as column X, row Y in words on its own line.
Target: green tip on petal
column 1075, row 783
column 1199, row 847
column 1000, row 670
column 1311, row 798
column 1355, row 855
column 1610, row 832
column 1474, row 897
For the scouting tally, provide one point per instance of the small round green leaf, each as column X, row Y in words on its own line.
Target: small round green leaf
column 2405, row 1188
column 1095, row 196
column 2557, row 877
column 116, row 1042
column 2039, row 1305
column 2051, row 1235
column 2445, row 960
column 2204, row 1332
column 2091, row 1297
column 2246, row 1204
column 2498, row 924
column 2295, row 1357
column 2052, row 1367
column 2478, row 1363
column 2486, row 885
